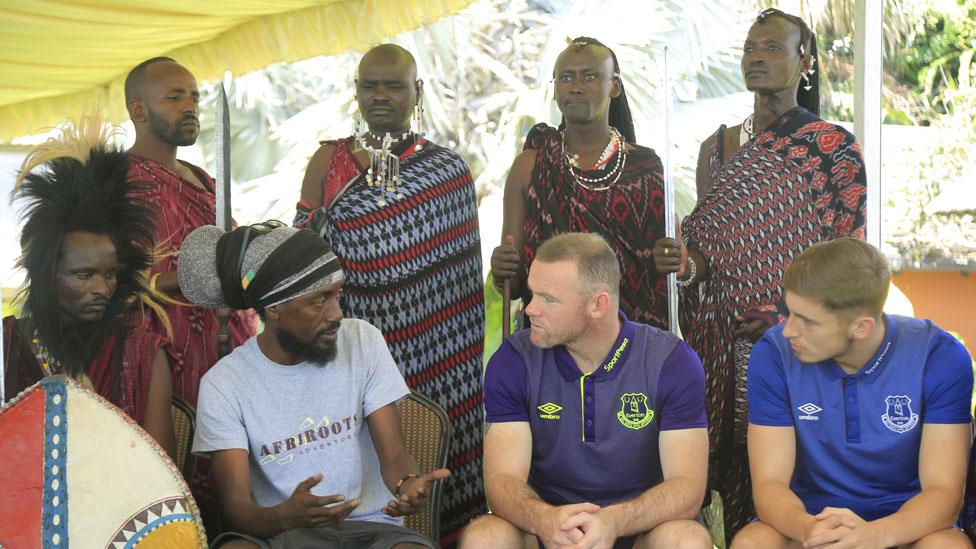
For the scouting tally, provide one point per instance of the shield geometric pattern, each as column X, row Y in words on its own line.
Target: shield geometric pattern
column 79, row 471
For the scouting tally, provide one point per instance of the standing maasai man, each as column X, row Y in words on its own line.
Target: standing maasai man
column 768, row 188
column 400, row 213
column 588, row 175
column 85, row 246
column 162, row 98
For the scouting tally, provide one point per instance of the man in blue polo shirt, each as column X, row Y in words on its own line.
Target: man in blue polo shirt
column 859, row 422
column 596, row 425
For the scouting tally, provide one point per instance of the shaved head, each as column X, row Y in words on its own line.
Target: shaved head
column 163, row 103
column 389, row 54
column 135, row 81
column 598, row 51
column 387, row 88
column 585, row 82
column 590, row 61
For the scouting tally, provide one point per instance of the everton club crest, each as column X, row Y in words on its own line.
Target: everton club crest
column 634, row 412
column 898, row 415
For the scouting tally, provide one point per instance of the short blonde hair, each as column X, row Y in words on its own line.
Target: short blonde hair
column 847, row 275
column 595, row 260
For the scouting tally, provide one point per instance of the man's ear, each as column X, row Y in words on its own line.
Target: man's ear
column 616, row 86
column 420, row 88
column 272, row 312
column 600, row 305
column 863, row 326
column 137, row 110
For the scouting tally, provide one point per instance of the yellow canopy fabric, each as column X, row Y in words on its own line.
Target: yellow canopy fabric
column 59, row 57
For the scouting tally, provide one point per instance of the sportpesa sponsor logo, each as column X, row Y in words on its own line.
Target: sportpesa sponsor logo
column 616, row 355
column 548, row 411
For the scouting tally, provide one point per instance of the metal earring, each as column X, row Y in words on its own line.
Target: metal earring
column 357, row 124
column 418, row 116
column 809, row 73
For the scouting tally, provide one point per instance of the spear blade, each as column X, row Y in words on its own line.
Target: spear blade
column 222, row 154
column 222, row 191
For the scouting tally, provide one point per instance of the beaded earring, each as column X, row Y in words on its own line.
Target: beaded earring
column 807, row 74
column 418, row 111
column 358, row 126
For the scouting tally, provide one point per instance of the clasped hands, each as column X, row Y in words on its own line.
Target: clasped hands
column 576, row 526
column 840, row 528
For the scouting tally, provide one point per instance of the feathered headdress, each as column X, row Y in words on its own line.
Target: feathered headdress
column 77, row 182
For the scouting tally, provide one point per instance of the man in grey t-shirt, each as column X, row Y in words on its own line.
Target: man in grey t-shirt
column 301, row 421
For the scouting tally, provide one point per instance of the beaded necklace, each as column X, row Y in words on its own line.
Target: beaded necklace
column 616, row 148
column 384, row 166
column 44, row 358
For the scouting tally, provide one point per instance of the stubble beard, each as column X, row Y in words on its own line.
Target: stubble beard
column 169, row 132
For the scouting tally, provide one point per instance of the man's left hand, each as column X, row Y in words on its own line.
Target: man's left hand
column 414, row 493
column 854, row 532
column 597, row 532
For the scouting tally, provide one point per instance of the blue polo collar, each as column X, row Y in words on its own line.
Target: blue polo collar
column 881, row 357
column 614, row 360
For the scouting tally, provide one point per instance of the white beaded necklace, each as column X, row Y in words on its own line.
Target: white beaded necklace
column 384, row 166
column 616, row 145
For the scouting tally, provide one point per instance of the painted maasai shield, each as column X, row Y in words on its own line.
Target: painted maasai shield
column 78, row 472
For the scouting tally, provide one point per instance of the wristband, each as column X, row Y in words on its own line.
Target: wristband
column 399, row 484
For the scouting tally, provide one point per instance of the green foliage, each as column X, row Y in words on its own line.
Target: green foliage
column 836, row 65
column 934, row 59
column 927, row 229
column 927, row 50
column 493, row 319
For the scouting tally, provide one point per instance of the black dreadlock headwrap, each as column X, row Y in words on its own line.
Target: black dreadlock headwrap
column 620, row 116
column 80, row 186
column 808, row 99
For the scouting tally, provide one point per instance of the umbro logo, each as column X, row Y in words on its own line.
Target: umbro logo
column 809, row 411
column 549, row 411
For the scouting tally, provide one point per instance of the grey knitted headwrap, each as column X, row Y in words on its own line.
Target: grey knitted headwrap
column 205, row 281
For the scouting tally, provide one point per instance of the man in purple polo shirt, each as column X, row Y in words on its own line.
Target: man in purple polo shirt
column 596, row 431
column 859, row 422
